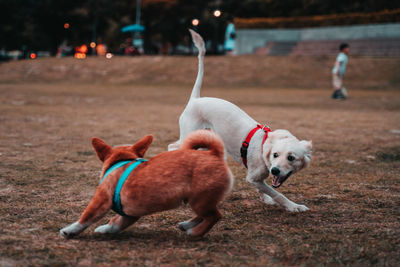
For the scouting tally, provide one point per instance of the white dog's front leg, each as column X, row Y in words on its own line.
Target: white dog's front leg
column 268, row 200
column 288, row 204
column 271, row 196
column 257, row 176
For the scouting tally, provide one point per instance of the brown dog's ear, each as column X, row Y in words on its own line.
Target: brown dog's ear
column 102, row 149
column 142, row 145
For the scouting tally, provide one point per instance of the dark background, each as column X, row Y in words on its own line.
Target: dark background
column 39, row 24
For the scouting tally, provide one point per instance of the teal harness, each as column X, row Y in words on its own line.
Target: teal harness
column 117, row 207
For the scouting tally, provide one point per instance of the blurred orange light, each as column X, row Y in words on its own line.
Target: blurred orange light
column 92, row 44
column 32, row 55
column 195, row 22
column 66, row 25
column 217, row 13
column 80, row 55
column 81, row 49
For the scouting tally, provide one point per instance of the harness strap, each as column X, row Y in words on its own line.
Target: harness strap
column 114, row 167
column 117, row 207
column 246, row 142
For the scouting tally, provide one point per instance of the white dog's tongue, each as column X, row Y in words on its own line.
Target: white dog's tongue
column 275, row 181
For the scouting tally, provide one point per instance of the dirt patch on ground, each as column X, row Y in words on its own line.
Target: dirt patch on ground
column 390, row 154
column 48, row 173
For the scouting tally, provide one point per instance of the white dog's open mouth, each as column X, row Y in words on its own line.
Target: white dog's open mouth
column 277, row 181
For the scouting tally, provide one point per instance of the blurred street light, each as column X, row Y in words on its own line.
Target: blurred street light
column 92, row 44
column 80, row 52
column 66, row 25
column 195, row 22
column 217, row 13
column 80, row 56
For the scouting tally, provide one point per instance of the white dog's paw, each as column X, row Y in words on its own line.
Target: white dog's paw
column 268, row 200
column 297, row 208
column 107, row 229
column 72, row 230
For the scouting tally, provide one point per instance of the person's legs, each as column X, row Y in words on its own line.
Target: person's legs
column 343, row 91
column 337, row 87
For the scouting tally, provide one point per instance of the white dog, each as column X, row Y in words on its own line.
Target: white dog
column 257, row 147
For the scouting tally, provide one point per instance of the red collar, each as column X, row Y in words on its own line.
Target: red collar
column 246, row 142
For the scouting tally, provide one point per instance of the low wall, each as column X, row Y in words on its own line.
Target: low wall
column 250, row 39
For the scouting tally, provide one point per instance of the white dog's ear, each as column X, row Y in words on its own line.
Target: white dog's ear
column 307, row 145
column 267, row 148
column 272, row 136
column 278, row 134
column 308, row 151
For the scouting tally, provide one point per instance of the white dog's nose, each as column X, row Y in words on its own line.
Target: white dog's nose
column 275, row 171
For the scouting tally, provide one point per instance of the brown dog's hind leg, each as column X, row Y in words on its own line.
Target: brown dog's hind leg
column 210, row 218
column 186, row 225
column 116, row 224
column 97, row 208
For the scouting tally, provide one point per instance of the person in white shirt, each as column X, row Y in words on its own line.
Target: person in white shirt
column 339, row 92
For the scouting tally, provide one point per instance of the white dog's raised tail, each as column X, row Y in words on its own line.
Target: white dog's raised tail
column 199, row 43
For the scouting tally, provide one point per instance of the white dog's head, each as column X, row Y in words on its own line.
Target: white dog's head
column 284, row 155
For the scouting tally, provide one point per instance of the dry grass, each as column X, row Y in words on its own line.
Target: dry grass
column 235, row 72
column 48, row 173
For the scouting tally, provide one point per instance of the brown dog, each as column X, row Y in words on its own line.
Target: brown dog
column 200, row 178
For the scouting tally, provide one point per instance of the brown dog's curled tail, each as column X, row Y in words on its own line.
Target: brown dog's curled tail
column 204, row 139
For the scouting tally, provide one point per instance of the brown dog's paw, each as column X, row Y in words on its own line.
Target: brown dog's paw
column 65, row 234
column 186, row 225
column 72, row 230
column 193, row 235
column 181, row 226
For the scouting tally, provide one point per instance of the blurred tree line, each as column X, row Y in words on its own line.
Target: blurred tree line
column 39, row 24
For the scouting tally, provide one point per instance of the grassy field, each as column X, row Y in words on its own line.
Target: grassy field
column 49, row 171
